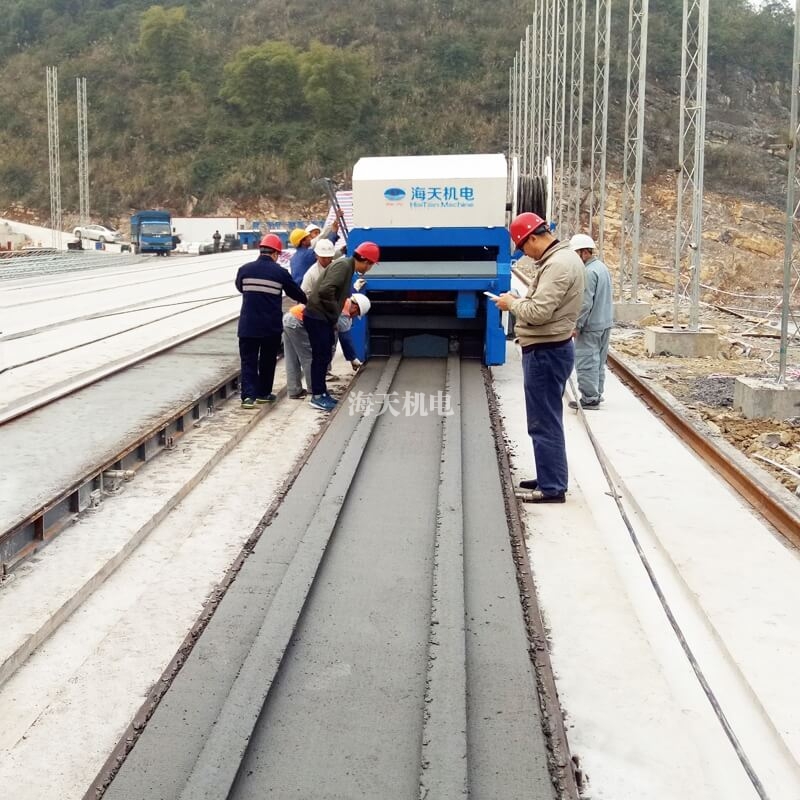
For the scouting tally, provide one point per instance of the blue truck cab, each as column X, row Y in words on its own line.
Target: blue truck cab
column 151, row 232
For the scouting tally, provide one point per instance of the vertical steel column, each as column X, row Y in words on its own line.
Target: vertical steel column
column 547, row 88
column 633, row 149
column 526, row 93
column 576, row 73
column 83, row 152
column 541, row 25
column 602, row 62
column 54, row 155
column 535, row 122
column 792, row 240
column 691, row 153
column 559, row 174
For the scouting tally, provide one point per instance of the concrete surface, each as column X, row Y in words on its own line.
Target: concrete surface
column 630, row 312
column 685, row 343
column 760, row 398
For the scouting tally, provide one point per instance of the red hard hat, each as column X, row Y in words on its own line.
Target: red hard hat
column 272, row 241
column 369, row 251
column 523, row 225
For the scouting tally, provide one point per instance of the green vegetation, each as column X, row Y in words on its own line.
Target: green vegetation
column 247, row 98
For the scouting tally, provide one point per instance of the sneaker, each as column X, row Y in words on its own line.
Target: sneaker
column 331, row 399
column 270, row 398
column 298, row 395
column 585, row 404
column 248, row 402
column 322, row 402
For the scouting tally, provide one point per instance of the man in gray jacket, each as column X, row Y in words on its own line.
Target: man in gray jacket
column 545, row 321
column 593, row 328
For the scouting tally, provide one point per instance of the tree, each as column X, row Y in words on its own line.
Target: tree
column 264, row 81
column 165, row 41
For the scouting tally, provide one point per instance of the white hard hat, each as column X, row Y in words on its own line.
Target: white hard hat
column 325, row 248
column 311, row 227
column 582, row 241
column 362, row 301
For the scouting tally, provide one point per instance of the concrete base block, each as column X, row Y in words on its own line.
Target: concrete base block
column 631, row 312
column 662, row 339
column 758, row 398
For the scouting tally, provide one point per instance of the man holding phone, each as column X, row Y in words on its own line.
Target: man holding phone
column 545, row 320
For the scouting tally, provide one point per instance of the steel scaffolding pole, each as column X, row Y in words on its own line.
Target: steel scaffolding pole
column 534, row 127
column 691, row 155
column 83, row 152
column 54, row 155
column 578, row 55
column 561, row 99
column 541, row 24
column 791, row 253
column 633, row 149
column 526, row 95
column 597, row 167
column 547, row 109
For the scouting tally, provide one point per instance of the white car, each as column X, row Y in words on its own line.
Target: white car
column 97, row 232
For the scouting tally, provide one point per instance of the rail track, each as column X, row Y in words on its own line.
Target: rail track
column 372, row 643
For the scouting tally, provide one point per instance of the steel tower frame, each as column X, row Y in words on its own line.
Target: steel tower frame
column 83, row 152
column 54, row 155
column 576, row 74
column 597, row 165
column 691, row 156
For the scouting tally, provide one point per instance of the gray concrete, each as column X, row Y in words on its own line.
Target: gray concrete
column 626, row 312
column 346, row 713
column 55, row 446
column 663, row 340
column 760, row 398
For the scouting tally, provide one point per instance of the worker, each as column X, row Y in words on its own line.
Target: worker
column 217, row 237
column 545, row 321
column 324, row 251
column 297, row 347
column 593, row 328
column 262, row 284
column 304, row 240
column 324, row 305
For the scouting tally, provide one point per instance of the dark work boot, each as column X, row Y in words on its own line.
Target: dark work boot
column 531, row 484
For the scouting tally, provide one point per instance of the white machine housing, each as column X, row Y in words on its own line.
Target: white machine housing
column 452, row 191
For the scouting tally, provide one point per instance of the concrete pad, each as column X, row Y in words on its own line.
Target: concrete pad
column 631, row 312
column 760, row 398
column 664, row 339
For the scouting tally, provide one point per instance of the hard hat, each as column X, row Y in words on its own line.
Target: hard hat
column 324, row 248
column 311, row 227
column 523, row 225
column 297, row 236
column 271, row 241
column 582, row 241
column 362, row 301
column 369, row 251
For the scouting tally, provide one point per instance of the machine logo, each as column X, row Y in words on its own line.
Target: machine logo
column 395, row 194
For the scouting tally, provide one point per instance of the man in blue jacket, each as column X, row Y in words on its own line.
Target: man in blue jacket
column 593, row 328
column 262, row 284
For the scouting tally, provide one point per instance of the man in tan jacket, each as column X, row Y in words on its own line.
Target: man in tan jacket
column 545, row 320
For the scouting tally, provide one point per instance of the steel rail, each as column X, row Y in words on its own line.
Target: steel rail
column 746, row 485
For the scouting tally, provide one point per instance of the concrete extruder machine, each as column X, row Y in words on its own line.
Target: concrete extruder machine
column 440, row 222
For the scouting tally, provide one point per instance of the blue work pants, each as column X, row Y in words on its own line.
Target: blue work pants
column 321, row 335
column 545, row 372
column 258, row 357
column 591, row 352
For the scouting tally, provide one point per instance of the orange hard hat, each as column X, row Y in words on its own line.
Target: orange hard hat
column 369, row 251
column 271, row 241
column 523, row 225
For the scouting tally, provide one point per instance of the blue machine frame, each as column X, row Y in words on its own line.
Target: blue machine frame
column 469, row 282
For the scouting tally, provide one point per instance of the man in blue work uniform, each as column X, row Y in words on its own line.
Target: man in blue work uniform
column 593, row 328
column 545, row 321
column 304, row 239
column 325, row 304
column 262, row 284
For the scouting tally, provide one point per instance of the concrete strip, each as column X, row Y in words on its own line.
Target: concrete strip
column 216, row 768
column 17, row 649
column 443, row 764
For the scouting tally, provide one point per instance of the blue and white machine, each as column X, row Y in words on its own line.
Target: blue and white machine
column 440, row 222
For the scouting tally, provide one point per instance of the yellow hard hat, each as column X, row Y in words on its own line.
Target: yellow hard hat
column 297, row 236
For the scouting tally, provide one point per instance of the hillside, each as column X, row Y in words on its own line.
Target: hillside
column 210, row 106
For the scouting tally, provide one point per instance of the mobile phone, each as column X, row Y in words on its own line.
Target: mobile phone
column 492, row 295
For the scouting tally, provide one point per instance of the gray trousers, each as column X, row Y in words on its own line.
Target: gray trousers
column 591, row 351
column 297, row 355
